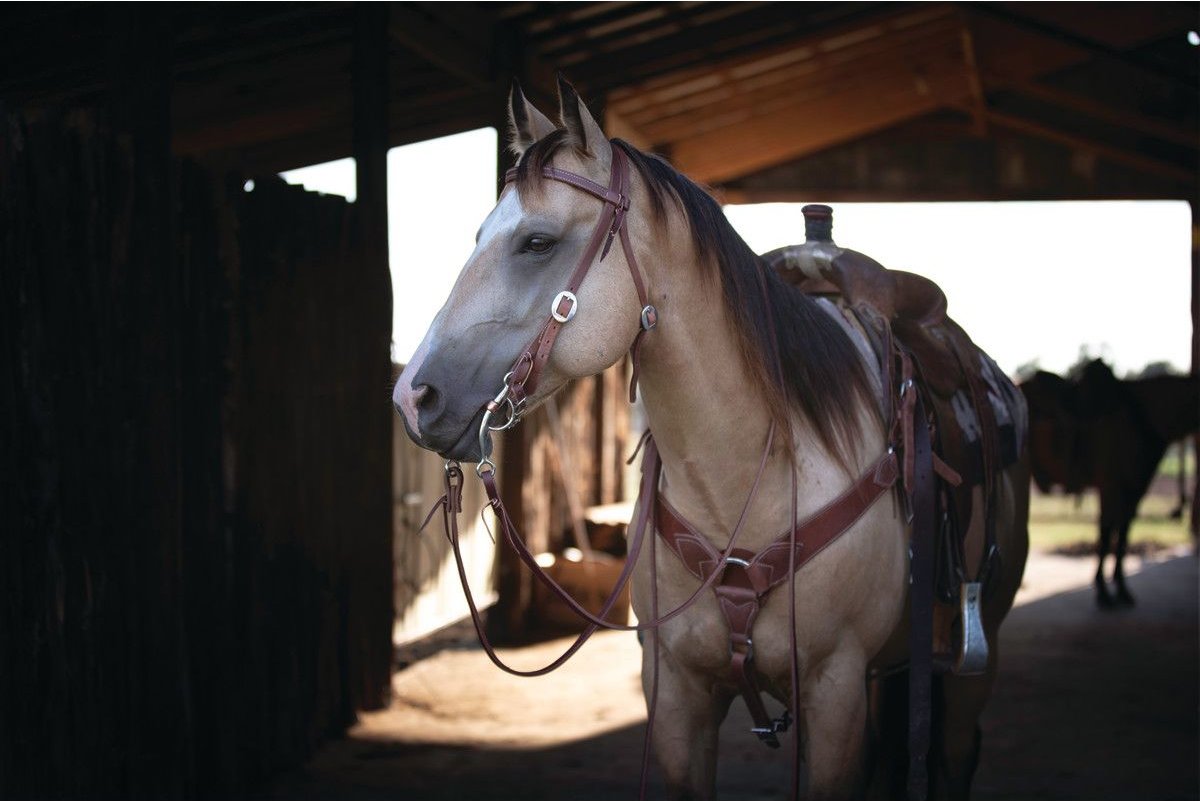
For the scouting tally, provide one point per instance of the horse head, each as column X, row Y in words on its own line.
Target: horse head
column 517, row 288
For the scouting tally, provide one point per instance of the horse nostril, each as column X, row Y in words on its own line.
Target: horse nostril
column 419, row 393
column 410, row 402
column 428, row 401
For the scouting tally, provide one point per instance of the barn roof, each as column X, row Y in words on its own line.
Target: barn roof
column 760, row 100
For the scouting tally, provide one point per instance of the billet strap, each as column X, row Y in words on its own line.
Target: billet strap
column 920, row 655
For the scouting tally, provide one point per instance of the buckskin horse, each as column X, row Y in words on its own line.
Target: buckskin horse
column 1099, row 431
column 788, row 433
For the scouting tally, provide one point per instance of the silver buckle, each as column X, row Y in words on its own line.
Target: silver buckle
column 649, row 317
column 559, row 298
column 778, row 725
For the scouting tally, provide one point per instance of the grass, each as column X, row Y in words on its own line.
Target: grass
column 1178, row 454
column 1066, row 525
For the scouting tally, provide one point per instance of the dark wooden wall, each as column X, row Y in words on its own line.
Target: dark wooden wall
column 195, row 470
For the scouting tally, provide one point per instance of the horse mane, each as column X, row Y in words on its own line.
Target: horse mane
column 797, row 355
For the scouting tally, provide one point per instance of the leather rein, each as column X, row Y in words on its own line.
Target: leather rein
column 740, row 592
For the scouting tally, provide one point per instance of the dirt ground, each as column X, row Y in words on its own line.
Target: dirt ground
column 1089, row 705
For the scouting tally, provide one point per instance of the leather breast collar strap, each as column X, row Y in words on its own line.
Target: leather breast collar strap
column 741, row 592
column 526, row 372
column 748, row 577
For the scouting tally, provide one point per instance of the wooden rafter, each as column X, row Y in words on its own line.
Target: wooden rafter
column 792, row 132
column 1090, row 45
column 639, row 95
column 419, row 31
column 1166, row 130
column 971, row 65
column 811, row 77
column 1102, row 149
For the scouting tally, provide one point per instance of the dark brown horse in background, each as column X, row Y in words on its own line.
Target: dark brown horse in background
column 1099, row 431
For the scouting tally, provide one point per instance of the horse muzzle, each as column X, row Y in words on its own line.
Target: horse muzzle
column 434, row 422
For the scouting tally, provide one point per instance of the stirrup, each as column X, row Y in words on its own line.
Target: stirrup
column 973, row 646
column 778, row 725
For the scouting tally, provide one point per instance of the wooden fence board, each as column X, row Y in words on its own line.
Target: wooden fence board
column 195, row 471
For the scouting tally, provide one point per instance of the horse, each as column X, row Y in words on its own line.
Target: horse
column 764, row 407
column 1101, row 432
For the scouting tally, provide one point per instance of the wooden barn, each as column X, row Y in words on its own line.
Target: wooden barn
column 207, row 507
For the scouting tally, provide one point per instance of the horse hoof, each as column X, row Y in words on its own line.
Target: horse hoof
column 1124, row 598
column 1103, row 599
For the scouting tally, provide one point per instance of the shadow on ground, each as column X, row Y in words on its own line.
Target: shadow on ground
column 1089, row 705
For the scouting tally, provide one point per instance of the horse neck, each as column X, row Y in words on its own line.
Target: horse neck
column 709, row 418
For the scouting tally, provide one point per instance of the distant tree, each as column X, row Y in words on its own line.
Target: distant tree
column 1088, row 355
column 1153, row 370
column 1028, row 370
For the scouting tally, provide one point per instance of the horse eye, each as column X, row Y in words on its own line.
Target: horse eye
column 538, row 244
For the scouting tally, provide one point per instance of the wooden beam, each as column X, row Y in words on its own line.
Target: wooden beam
column 708, row 42
column 1103, row 149
column 788, row 133
column 819, row 194
column 1088, row 44
column 678, row 84
column 800, row 67
column 371, row 662
column 971, row 64
column 618, row 127
column 414, row 27
column 805, row 81
column 1123, row 118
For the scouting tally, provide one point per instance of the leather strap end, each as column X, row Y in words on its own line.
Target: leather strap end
column 887, row 472
column 947, row 473
column 441, row 503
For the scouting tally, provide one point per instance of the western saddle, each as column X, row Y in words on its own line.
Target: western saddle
column 903, row 316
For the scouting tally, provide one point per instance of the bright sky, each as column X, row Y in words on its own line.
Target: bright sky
column 1028, row 281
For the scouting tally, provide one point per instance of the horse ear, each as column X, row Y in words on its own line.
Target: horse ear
column 582, row 129
column 526, row 124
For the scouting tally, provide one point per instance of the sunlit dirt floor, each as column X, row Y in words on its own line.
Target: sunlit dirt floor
column 1088, row 705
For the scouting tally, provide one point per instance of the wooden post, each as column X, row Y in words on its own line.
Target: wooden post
column 371, row 601
column 514, row 589
column 143, row 564
column 1195, row 511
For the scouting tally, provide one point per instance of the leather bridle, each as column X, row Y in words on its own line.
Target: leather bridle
column 523, row 378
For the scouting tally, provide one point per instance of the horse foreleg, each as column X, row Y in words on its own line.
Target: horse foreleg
column 1103, row 598
column 686, row 721
column 964, row 698
column 835, row 725
column 1122, row 536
